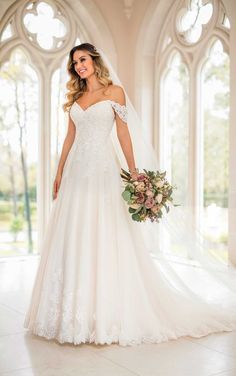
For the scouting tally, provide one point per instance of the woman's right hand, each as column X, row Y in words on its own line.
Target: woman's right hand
column 56, row 185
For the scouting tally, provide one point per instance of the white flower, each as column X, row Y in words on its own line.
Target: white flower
column 140, row 187
column 134, row 206
column 159, row 198
column 159, row 184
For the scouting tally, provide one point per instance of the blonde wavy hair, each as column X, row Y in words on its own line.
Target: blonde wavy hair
column 77, row 86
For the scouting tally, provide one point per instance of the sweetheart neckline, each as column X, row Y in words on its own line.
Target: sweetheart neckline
column 92, row 105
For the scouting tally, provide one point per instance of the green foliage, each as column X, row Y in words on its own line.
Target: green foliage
column 126, row 195
column 216, row 137
column 6, row 215
column 216, row 153
column 223, row 238
column 5, row 208
column 136, row 217
column 130, row 187
column 218, row 72
column 166, row 207
column 16, row 225
column 151, row 174
column 131, row 210
column 139, row 209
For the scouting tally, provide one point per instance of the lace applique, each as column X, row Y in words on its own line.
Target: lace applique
column 92, row 150
column 66, row 318
column 121, row 110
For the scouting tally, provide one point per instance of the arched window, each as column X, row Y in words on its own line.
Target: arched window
column 18, row 143
column 58, row 129
column 215, row 150
column 34, row 40
column 193, row 111
column 175, row 115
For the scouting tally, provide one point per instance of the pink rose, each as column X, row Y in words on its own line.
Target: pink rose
column 149, row 203
column 140, row 198
column 149, row 193
column 141, row 177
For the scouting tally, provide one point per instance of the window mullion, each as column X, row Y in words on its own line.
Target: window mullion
column 44, row 186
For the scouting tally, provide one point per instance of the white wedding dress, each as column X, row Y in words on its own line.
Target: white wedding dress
column 96, row 281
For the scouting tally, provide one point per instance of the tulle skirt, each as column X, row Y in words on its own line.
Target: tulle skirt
column 96, row 281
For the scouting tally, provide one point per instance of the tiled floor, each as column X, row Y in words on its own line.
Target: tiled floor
column 22, row 354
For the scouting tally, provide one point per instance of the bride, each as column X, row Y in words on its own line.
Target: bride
column 96, row 281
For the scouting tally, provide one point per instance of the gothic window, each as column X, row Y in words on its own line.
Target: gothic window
column 34, row 42
column 175, row 95
column 215, row 151
column 19, row 159
column 194, row 112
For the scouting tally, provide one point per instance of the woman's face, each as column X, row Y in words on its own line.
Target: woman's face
column 83, row 64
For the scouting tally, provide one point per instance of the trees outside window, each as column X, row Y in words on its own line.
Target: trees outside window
column 34, row 40
column 19, row 158
column 215, row 152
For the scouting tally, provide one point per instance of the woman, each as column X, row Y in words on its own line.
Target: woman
column 96, row 281
column 94, row 86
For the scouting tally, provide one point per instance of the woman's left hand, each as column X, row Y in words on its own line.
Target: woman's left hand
column 134, row 175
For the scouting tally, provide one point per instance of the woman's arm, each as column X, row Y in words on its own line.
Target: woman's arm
column 124, row 135
column 69, row 139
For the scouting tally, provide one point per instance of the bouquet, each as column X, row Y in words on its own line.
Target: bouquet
column 147, row 195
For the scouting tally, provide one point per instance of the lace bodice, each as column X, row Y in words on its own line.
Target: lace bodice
column 93, row 128
column 121, row 110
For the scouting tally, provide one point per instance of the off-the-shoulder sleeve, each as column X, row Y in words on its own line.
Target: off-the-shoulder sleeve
column 121, row 110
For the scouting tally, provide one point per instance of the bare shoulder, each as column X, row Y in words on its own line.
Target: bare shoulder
column 117, row 94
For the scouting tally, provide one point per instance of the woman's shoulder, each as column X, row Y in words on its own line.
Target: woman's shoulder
column 116, row 93
column 115, row 87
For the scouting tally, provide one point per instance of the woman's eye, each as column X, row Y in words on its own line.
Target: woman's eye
column 82, row 60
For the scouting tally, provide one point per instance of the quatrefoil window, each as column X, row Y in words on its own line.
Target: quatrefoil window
column 45, row 25
column 190, row 20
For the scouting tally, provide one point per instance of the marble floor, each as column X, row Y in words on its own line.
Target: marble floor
column 22, row 354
